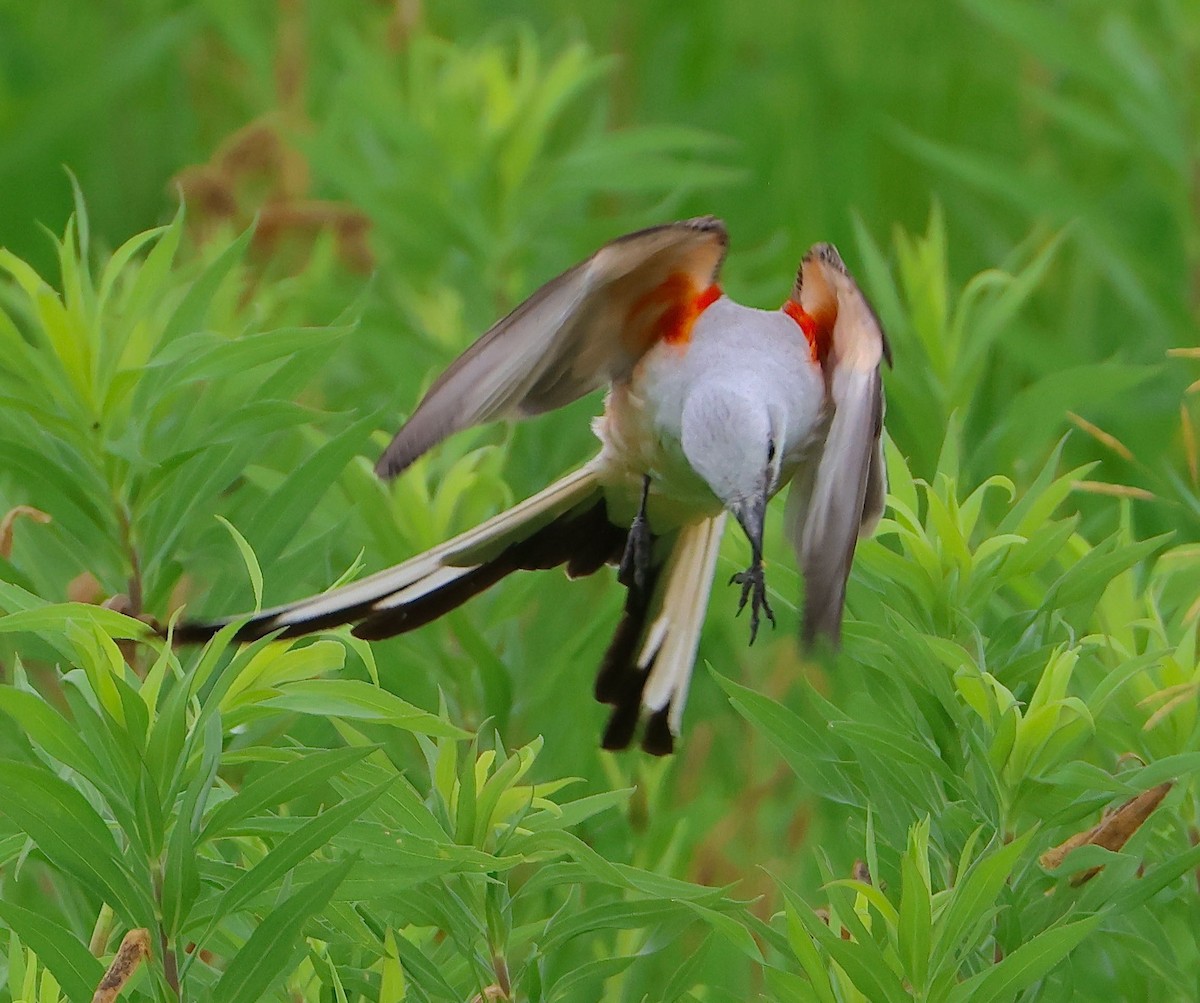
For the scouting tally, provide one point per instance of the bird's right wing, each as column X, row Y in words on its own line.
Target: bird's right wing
column 587, row 327
column 843, row 498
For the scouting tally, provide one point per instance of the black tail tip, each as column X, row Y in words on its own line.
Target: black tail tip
column 622, row 723
column 657, row 739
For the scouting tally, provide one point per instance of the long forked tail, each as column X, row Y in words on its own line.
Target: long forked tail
column 567, row 523
column 648, row 665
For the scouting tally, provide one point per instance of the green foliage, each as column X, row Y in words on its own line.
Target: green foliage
column 190, row 400
column 163, row 806
column 984, row 698
column 135, row 397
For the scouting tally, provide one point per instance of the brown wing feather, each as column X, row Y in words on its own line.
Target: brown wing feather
column 586, row 328
column 846, row 496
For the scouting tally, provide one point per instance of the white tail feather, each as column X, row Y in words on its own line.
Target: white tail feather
column 674, row 635
column 442, row 564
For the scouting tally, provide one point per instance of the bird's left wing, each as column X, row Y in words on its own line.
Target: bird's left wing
column 843, row 499
column 581, row 330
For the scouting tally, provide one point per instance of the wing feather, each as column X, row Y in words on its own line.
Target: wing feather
column 586, row 328
column 845, row 497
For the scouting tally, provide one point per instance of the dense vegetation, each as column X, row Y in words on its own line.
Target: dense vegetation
column 191, row 398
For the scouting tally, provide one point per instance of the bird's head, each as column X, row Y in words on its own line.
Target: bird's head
column 731, row 441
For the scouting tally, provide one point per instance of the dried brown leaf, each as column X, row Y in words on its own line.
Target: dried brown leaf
column 1116, row 490
column 9, row 521
column 1112, row 832
column 1190, row 453
column 134, row 949
column 1101, row 436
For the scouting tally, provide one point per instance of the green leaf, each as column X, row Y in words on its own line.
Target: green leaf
column 916, row 906
column 391, row 979
column 805, row 949
column 1028, row 963
column 273, row 666
column 264, row 958
column 192, row 312
column 617, row 915
column 494, row 788
column 357, row 700
column 860, row 961
column 423, row 971
column 400, row 807
column 1145, row 888
column 787, row 986
column 66, row 487
column 73, row 837
column 291, row 850
column 805, row 752
column 973, row 899
column 58, row 949
column 687, row 974
column 730, row 930
column 572, row 813
column 113, row 347
column 248, row 558
column 1087, row 578
column 584, row 981
column 55, row 619
column 50, row 732
column 465, row 798
column 280, row 516
column 277, row 786
column 206, row 357
column 181, row 878
column 168, row 735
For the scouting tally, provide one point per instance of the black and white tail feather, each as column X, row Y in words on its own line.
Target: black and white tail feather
column 647, row 666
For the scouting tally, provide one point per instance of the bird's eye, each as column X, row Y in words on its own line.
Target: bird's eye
column 770, row 450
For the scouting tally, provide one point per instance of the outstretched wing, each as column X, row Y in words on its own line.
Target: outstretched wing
column 843, row 498
column 586, row 328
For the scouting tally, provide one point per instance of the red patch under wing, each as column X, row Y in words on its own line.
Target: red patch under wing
column 680, row 304
column 815, row 333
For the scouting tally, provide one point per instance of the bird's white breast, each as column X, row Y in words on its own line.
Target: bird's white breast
column 761, row 354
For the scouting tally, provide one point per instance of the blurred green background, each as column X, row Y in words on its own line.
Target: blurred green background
column 793, row 121
column 1015, row 183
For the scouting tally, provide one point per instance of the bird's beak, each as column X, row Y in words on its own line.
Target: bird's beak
column 750, row 514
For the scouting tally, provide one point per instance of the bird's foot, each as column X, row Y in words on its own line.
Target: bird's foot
column 754, row 590
column 635, row 561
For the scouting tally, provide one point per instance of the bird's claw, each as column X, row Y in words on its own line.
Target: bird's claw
column 754, row 591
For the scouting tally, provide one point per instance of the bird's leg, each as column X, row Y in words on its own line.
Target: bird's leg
column 636, row 559
column 753, row 579
column 754, row 589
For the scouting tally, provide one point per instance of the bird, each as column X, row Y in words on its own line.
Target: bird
column 711, row 408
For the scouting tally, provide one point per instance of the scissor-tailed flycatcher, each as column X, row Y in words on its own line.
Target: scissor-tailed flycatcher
column 712, row 407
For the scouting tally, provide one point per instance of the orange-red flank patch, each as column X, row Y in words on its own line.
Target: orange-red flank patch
column 680, row 305
column 816, row 333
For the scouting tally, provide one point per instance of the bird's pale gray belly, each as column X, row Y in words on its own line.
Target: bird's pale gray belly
column 641, row 429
